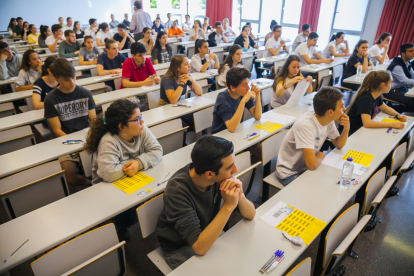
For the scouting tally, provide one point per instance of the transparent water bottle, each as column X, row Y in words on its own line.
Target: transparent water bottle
column 347, row 171
column 359, row 70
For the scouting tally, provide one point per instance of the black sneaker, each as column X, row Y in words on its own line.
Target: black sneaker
column 123, row 234
column 393, row 192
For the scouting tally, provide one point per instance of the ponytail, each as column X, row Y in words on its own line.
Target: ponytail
column 102, row 27
column 46, row 65
column 336, row 36
column 382, row 36
column 43, row 29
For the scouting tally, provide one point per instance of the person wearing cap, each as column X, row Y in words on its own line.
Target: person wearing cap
column 124, row 39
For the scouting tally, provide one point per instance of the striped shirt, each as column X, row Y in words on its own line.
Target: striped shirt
column 40, row 87
column 139, row 21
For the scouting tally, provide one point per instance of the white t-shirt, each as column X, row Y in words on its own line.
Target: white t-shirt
column 222, row 76
column 327, row 51
column 303, row 49
column 196, row 63
column 50, row 40
column 199, row 34
column 273, row 44
column 298, row 40
column 101, row 35
column 229, row 31
column 306, row 133
column 374, row 52
column 186, row 26
column 65, row 27
column 88, row 31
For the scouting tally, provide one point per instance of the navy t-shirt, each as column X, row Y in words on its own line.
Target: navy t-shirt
column 160, row 28
column 119, row 38
column 224, row 110
column 115, row 63
column 40, row 87
column 350, row 69
column 364, row 104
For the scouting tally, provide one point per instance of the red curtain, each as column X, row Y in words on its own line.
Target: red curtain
column 217, row 10
column 397, row 18
column 310, row 14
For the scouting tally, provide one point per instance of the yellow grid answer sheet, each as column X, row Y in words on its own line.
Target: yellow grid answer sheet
column 134, row 183
column 386, row 120
column 358, row 157
column 301, row 224
column 269, row 126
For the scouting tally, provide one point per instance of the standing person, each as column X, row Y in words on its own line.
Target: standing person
column 69, row 24
column 378, row 53
column 402, row 76
column 30, row 71
column 193, row 217
column 197, row 32
column 11, row 25
column 69, row 108
column 187, row 24
column 9, row 62
column 77, row 30
column 233, row 60
column 52, row 41
column 158, row 27
column 275, row 43
column 169, row 22
column 244, row 40
column 272, row 33
column 103, row 33
column 121, row 145
column 147, row 40
column 217, row 37
column 300, row 149
column 139, row 21
column 33, row 37
column 302, row 37
column 202, row 60
column 70, row 47
column 335, row 45
column 93, row 27
column 43, row 85
column 206, row 26
column 174, row 31
column 126, row 22
column 110, row 62
column 228, row 31
column 162, row 51
column 114, row 23
column 18, row 29
column 44, row 33
column 138, row 70
column 124, row 39
column 251, row 33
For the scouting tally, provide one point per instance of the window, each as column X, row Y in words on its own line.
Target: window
column 325, row 22
column 291, row 12
column 350, row 9
column 271, row 10
column 235, row 24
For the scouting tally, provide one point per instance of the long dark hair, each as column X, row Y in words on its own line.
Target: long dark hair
column 145, row 30
column 336, row 36
column 46, row 65
column 117, row 113
column 175, row 63
column 382, row 36
column 26, row 60
column 272, row 23
column 43, row 30
column 11, row 25
column 158, row 45
column 284, row 72
column 198, row 44
column 84, row 40
column 199, row 23
column 74, row 27
column 102, row 27
column 229, row 59
column 360, row 42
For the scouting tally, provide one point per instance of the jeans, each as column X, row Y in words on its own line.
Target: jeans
column 398, row 95
column 175, row 258
column 288, row 180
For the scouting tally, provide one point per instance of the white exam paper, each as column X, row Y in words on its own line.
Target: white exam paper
column 298, row 93
column 276, row 214
column 334, row 160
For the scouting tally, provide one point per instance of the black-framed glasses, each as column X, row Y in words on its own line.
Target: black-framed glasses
column 138, row 120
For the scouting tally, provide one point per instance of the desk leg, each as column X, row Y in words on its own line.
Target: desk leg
column 265, row 188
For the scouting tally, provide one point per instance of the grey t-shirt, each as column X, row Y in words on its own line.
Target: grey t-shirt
column 89, row 56
column 169, row 83
column 306, row 133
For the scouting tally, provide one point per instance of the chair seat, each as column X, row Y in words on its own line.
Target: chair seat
column 157, row 257
column 24, row 108
column 338, row 85
column 273, row 181
column 408, row 162
column 45, row 132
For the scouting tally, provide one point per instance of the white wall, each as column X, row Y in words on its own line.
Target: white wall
column 47, row 12
column 373, row 19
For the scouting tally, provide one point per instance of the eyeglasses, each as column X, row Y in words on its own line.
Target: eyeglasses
column 138, row 120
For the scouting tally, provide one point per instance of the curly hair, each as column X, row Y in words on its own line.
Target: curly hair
column 25, row 65
column 117, row 113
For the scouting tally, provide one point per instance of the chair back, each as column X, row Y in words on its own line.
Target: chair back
column 324, row 81
column 170, row 135
column 96, row 88
column 245, row 170
column 118, row 83
column 7, row 109
column 302, row 269
column 31, row 189
column 94, row 72
column 13, row 86
column 398, row 157
column 153, row 98
column 267, row 96
column 248, row 63
column 190, row 52
column 105, row 107
column 16, row 138
column 374, row 186
column 247, row 115
column 203, row 119
column 271, row 146
column 82, row 251
column 86, row 160
column 148, row 214
column 259, row 54
column 338, row 71
column 29, row 102
column 410, row 147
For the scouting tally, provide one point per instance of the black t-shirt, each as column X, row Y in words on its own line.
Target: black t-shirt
column 364, row 104
column 240, row 41
column 119, row 38
column 40, row 87
column 350, row 69
column 71, row 108
column 81, row 35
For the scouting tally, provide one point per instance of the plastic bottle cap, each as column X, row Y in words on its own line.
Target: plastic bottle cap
column 349, row 159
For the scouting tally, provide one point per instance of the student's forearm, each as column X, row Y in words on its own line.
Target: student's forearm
column 122, row 43
column 175, row 96
column 381, row 60
column 216, row 64
column 246, row 208
column 105, row 72
column 129, row 84
column 38, row 105
column 309, row 90
column 24, row 87
column 280, row 90
column 224, row 39
column 52, row 47
column 211, row 233
column 258, row 108
column 234, row 122
column 58, row 132
column 365, row 65
column 196, row 88
column 318, row 160
column 87, row 62
column 205, row 66
column 341, row 140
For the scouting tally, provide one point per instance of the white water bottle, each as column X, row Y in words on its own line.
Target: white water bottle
column 347, row 171
column 359, row 70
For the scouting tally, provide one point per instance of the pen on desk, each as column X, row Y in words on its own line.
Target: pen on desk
column 353, row 179
column 183, row 105
column 270, row 260
column 162, row 179
column 388, row 131
column 16, row 250
column 275, row 264
column 250, row 135
column 281, row 253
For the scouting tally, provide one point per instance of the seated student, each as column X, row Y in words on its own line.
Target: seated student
column 125, row 40
column 230, row 104
column 52, row 41
column 157, row 27
column 43, row 85
column 77, row 30
column 368, row 102
column 89, row 53
column 18, row 29
column 110, row 62
column 286, row 81
column 359, row 56
column 114, row 23
column 245, row 40
column 12, row 48
column 197, row 32
column 126, row 22
column 26, row 31
column 61, row 22
column 162, row 51
column 233, row 60
column 202, row 60
column 30, row 70
column 187, row 24
column 302, row 37
column 138, row 70
column 193, row 217
column 206, row 26
column 300, row 149
column 275, row 43
column 378, row 53
column 69, row 25
column 9, row 62
column 169, row 22
column 402, row 76
column 44, row 33
column 147, row 40
column 227, row 30
column 174, row 83
column 33, row 37
column 121, row 145
column 159, row 17
column 91, row 30
column 335, row 45
column 103, row 33
column 70, row 47
column 12, row 23
column 174, row 31
column 217, row 37
column 248, row 24
column 68, row 108
column 271, row 34
column 306, row 51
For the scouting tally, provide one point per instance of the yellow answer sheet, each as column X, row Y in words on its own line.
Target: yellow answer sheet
column 134, row 183
column 358, row 157
column 269, row 126
column 386, row 120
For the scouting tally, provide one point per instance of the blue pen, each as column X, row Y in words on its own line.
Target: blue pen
column 281, row 253
column 251, row 135
column 183, row 105
column 388, row 131
column 277, row 253
column 162, row 179
column 351, row 180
